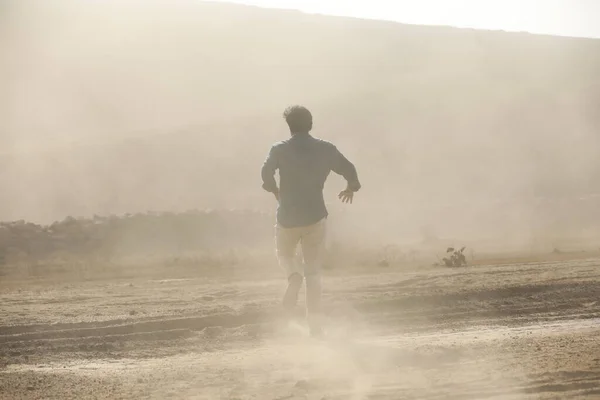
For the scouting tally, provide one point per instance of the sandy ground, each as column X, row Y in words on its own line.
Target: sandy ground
column 515, row 331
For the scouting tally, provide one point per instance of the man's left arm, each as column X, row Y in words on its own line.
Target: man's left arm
column 268, row 173
column 342, row 166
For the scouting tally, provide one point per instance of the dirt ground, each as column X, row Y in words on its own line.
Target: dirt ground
column 504, row 331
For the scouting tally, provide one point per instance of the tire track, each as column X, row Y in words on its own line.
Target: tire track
column 149, row 327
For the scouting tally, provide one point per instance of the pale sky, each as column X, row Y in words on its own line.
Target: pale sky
column 554, row 17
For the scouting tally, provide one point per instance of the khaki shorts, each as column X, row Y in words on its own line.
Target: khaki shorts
column 312, row 243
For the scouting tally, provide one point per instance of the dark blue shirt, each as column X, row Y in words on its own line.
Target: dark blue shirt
column 304, row 163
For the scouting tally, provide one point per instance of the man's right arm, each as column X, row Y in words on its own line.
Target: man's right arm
column 268, row 173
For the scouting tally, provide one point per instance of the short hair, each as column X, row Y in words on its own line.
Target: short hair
column 298, row 118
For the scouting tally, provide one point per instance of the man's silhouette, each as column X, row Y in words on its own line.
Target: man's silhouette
column 304, row 162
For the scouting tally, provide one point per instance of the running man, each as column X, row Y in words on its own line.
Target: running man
column 304, row 162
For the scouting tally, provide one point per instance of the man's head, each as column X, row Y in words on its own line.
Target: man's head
column 298, row 118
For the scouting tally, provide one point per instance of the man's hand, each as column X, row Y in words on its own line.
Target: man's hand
column 346, row 196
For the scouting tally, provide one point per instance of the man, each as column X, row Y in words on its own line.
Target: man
column 304, row 162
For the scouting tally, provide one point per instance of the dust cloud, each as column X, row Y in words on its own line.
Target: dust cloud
column 460, row 137
column 127, row 106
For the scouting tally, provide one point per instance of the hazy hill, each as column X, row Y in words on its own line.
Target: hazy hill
column 173, row 105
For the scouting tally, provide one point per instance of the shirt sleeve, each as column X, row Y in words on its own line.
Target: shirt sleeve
column 341, row 166
column 268, row 171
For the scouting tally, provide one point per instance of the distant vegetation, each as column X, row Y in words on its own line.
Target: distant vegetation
column 149, row 234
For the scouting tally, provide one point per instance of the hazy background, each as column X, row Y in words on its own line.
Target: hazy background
column 114, row 107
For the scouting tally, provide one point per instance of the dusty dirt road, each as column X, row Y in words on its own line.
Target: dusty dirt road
column 522, row 331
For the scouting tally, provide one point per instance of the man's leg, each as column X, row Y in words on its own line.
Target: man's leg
column 290, row 299
column 313, row 248
column 286, row 243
